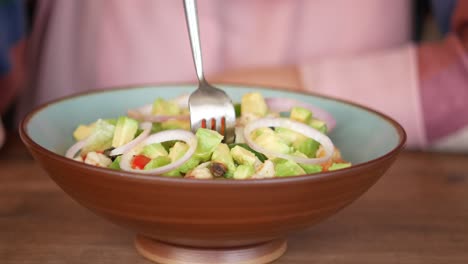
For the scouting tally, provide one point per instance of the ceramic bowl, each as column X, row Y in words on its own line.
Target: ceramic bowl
column 180, row 220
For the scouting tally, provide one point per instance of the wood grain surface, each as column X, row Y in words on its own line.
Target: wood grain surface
column 417, row 213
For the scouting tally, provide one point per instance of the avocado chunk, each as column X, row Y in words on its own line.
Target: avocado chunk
column 154, row 150
column 319, row 125
column 253, row 103
column 307, row 146
column 222, row 154
column 163, row 107
column 100, row 138
column 311, row 168
column 173, row 173
column 189, row 164
column 83, row 131
column 243, row 156
column 308, row 168
column 288, row 135
column 157, row 162
column 273, row 143
column 125, row 131
column 112, row 121
column 286, row 168
column 115, row 165
column 339, row 166
column 262, row 131
column 259, row 155
column 244, row 172
column 208, row 140
column 300, row 114
column 178, row 150
column 175, row 124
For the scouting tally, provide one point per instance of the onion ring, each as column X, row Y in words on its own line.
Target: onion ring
column 163, row 136
column 71, row 152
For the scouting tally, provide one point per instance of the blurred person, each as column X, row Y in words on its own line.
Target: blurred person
column 356, row 50
column 12, row 45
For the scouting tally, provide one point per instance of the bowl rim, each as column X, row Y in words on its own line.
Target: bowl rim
column 145, row 177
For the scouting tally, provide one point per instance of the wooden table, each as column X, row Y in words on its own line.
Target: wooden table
column 417, row 213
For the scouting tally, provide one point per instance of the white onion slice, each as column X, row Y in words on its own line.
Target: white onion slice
column 144, row 114
column 280, row 104
column 71, row 152
column 163, row 136
column 295, row 126
column 130, row 145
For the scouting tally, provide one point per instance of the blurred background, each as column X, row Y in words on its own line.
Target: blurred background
column 406, row 58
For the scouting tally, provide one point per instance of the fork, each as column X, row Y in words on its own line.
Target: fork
column 210, row 107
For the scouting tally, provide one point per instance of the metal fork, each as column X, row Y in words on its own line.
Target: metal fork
column 210, row 107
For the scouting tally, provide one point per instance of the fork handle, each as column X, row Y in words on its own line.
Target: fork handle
column 191, row 16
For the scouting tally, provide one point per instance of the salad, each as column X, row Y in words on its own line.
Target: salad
column 275, row 137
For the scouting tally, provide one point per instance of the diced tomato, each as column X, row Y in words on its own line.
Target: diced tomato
column 140, row 161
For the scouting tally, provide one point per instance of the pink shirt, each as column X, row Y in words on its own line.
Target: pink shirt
column 359, row 50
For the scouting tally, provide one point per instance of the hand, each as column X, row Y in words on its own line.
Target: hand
column 279, row 77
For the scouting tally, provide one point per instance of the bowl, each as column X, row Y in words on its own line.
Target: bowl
column 180, row 220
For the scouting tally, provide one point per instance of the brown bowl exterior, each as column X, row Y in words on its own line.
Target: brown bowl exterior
column 202, row 213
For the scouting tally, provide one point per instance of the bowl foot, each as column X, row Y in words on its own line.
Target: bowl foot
column 163, row 253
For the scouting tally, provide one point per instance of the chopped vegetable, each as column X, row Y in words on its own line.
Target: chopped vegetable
column 201, row 172
column 115, row 165
column 133, row 143
column 125, row 130
column 163, row 107
column 154, row 150
column 222, row 155
column 259, row 155
column 245, row 157
column 264, row 171
column 208, row 141
column 339, row 166
column 244, row 172
column 97, row 159
column 254, row 103
column 83, row 131
column 286, row 168
column 100, row 138
column 157, row 162
column 300, row 114
column 140, row 161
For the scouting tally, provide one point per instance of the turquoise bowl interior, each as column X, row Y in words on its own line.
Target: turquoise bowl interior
column 361, row 134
